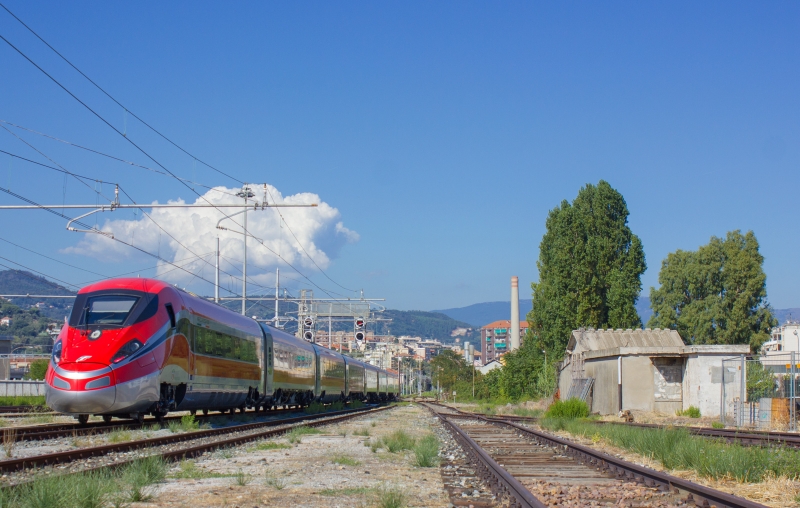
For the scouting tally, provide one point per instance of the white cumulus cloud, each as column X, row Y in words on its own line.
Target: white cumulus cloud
column 317, row 229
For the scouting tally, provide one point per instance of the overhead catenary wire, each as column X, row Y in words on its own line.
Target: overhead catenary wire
column 112, row 157
column 127, row 110
column 135, row 145
column 114, row 239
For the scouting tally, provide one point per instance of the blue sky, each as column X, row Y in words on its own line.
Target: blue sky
column 441, row 132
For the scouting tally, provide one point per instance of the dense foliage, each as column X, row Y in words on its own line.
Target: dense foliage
column 428, row 325
column 38, row 369
column 590, row 266
column 20, row 282
column 716, row 294
column 572, row 408
column 453, row 374
column 27, row 326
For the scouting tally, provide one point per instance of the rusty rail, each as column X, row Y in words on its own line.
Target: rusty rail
column 95, row 451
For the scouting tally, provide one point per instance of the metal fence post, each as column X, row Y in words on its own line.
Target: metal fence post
column 740, row 420
column 722, row 395
column 792, row 415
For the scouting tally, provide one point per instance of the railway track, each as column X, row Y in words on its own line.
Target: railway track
column 204, row 440
column 535, row 469
column 744, row 437
column 60, row 430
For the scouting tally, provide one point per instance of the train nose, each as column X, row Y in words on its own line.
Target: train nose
column 81, row 388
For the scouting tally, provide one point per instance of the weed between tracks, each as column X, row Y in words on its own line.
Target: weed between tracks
column 676, row 449
column 295, row 435
column 23, row 400
column 345, row 460
column 94, row 489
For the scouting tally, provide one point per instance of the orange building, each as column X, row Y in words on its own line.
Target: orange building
column 495, row 339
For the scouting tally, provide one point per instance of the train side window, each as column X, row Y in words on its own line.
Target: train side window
column 171, row 314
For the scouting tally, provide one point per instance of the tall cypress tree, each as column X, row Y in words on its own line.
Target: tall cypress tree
column 590, row 267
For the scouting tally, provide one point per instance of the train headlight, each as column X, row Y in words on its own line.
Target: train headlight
column 125, row 351
column 57, row 352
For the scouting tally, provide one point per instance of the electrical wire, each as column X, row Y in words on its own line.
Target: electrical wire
column 157, row 256
column 123, row 161
column 56, row 169
column 54, row 259
column 101, row 118
column 63, row 169
column 115, row 100
column 43, row 274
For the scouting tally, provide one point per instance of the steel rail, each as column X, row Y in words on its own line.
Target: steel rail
column 622, row 469
column 95, row 451
column 492, row 473
column 744, row 437
column 56, row 430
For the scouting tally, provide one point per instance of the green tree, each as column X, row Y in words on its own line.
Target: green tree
column 38, row 369
column 716, row 294
column 590, row 266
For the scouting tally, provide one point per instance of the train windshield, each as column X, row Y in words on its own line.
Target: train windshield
column 109, row 310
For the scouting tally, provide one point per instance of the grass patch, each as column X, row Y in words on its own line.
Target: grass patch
column 487, row 409
column 274, row 481
column 345, row 460
column 314, row 408
column 389, row 497
column 95, row 489
column 356, row 404
column 691, row 412
column 242, row 479
column 347, row 491
column 398, row 441
column 361, row 432
column 676, row 449
column 426, row 452
column 530, row 413
column 189, row 470
column 119, row 436
column 30, row 420
column 271, row 445
column 23, row 400
column 295, row 435
column 572, row 408
column 717, row 425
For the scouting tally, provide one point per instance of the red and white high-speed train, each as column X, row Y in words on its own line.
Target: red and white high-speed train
column 138, row 346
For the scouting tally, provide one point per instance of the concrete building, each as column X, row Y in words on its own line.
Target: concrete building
column 784, row 339
column 647, row 370
column 495, row 339
column 494, row 364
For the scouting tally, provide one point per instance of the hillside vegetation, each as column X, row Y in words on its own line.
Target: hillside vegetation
column 20, row 282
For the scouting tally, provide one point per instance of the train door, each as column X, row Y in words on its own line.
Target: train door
column 268, row 364
column 318, row 370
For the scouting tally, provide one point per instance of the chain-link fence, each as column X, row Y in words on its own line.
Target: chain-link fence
column 761, row 392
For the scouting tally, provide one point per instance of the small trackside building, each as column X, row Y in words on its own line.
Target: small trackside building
column 644, row 370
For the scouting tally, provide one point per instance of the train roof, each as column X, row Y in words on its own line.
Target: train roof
column 131, row 283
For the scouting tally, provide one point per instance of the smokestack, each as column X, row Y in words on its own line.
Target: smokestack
column 514, row 313
column 471, row 354
column 466, row 352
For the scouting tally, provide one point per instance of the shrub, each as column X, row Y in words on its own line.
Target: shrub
column 345, row 460
column 572, row 408
column 356, row 404
column 398, row 441
column 691, row 412
column 296, row 434
column 717, row 425
column 390, row 497
column 426, row 452
column 314, row 408
column 38, row 369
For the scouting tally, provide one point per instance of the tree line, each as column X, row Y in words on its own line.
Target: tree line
column 590, row 266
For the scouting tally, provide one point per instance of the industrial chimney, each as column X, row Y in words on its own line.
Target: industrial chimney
column 466, row 352
column 514, row 313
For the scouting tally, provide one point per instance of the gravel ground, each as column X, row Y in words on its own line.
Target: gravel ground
column 304, row 474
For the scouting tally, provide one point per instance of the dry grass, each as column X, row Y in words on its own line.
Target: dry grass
column 778, row 492
column 9, row 441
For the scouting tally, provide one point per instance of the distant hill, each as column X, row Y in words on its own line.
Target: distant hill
column 428, row 325
column 20, row 282
column 480, row 314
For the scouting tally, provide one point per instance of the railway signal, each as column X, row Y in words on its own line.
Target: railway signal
column 360, row 323
column 309, row 335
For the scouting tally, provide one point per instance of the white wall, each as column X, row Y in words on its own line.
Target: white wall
column 702, row 383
